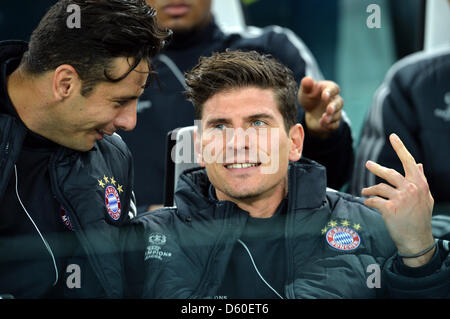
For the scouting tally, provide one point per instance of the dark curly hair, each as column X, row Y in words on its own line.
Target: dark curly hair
column 109, row 29
column 237, row 69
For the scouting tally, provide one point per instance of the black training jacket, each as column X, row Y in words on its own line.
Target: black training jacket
column 185, row 249
column 78, row 183
column 163, row 107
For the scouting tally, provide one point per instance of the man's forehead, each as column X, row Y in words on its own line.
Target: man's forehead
column 240, row 103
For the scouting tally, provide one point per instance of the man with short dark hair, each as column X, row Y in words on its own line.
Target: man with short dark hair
column 256, row 220
column 65, row 176
column 163, row 108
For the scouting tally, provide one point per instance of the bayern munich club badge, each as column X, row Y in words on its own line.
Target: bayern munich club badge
column 343, row 238
column 112, row 202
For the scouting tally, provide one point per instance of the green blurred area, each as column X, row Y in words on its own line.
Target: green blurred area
column 363, row 56
column 346, row 49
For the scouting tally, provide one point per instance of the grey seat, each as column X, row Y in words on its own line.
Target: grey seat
column 180, row 155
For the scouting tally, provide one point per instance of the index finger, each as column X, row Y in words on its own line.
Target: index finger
column 307, row 84
column 408, row 161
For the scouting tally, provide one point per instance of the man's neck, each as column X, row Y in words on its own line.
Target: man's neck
column 26, row 98
column 263, row 206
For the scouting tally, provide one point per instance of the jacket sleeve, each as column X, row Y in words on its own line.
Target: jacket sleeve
column 336, row 152
column 429, row 281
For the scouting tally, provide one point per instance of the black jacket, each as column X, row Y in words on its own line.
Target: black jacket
column 74, row 178
column 185, row 250
column 163, row 107
column 414, row 103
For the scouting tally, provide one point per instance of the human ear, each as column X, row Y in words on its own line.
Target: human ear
column 65, row 82
column 296, row 135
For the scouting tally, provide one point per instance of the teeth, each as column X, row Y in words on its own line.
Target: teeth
column 241, row 165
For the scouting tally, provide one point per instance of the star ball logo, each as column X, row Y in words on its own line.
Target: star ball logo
column 112, row 196
column 154, row 251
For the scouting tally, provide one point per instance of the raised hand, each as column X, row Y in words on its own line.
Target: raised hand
column 322, row 104
column 406, row 204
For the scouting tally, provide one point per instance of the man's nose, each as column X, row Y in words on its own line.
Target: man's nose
column 237, row 138
column 127, row 117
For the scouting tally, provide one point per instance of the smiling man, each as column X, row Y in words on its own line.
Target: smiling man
column 65, row 177
column 240, row 230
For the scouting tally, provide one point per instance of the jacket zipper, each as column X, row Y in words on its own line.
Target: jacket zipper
column 5, row 150
column 204, row 282
column 289, row 284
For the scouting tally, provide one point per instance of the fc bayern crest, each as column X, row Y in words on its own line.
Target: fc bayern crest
column 343, row 238
column 112, row 202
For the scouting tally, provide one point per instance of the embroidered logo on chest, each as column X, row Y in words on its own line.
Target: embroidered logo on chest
column 343, row 238
column 339, row 235
column 154, row 249
column 112, row 202
column 112, row 196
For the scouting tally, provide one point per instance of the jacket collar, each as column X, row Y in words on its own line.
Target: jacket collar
column 9, row 50
column 306, row 178
column 195, row 37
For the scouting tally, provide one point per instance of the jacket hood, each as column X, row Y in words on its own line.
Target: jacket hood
column 306, row 183
column 8, row 50
column 12, row 48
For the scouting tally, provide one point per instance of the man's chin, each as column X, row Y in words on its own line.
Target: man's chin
column 242, row 194
column 81, row 147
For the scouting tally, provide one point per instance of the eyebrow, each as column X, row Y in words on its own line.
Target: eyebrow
column 260, row 116
column 249, row 118
column 126, row 98
column 212, row 122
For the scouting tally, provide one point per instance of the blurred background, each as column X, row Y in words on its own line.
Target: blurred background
column 348, row 51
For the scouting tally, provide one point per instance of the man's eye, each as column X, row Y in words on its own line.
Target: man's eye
column 220, row 127
column 122, row 103
column 259, row 123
